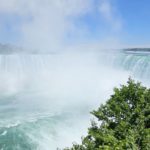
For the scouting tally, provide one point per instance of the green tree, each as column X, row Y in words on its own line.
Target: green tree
column 123, row 123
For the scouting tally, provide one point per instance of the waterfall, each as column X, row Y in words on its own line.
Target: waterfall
column 138, row 64
column 45, row 100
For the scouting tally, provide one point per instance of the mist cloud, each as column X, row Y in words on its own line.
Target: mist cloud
column 45, row 24
column 109, row 12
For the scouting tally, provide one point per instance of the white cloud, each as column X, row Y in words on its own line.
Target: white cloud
column 109, row 12
column 49, row 20
column 45, row 23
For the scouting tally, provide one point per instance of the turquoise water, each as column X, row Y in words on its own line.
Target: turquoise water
column 45, row 100
column 138, row 64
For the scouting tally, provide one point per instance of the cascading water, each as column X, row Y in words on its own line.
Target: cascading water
column 45, row 100
column 137, row 63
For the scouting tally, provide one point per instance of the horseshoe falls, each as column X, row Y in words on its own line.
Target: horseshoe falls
column 45, row 100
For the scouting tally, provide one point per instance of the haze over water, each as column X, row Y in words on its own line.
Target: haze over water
column 59, row 60
column 48, row 98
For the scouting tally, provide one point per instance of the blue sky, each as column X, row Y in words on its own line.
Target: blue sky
column 126, row 20
column 136, row 17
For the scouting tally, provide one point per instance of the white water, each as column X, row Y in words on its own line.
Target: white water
column 45, row 100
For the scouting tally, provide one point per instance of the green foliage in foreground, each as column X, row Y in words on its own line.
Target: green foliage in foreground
column 123, row 122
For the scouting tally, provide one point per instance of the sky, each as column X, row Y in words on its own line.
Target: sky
column 55, row 24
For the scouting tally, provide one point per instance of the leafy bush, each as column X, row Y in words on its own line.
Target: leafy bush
column 123, row 122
